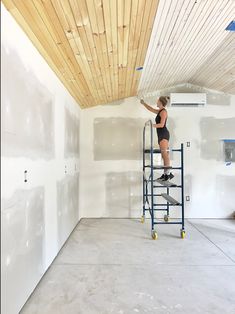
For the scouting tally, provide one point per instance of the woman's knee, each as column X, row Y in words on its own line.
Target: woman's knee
column 164, row 149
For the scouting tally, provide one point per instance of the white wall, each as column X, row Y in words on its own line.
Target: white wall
column 112, row 187
column 40, row 134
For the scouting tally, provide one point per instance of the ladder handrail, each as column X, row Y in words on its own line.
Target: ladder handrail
column 151, row 209
column 149, row 121
column 151, row 135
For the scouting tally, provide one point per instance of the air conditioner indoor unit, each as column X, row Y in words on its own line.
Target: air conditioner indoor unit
column 188, row 99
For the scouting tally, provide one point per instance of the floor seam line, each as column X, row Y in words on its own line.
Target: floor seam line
column 211, row 241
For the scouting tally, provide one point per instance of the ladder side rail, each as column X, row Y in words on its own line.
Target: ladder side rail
column 182, row 183
column 144, row 183
column 152, row 182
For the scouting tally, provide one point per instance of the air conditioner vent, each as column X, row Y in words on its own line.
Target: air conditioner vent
column 188, row 99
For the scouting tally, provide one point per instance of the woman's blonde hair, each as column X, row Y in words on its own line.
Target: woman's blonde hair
column 164, row 100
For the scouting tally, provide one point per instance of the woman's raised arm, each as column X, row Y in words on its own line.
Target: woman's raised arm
column 149, row 107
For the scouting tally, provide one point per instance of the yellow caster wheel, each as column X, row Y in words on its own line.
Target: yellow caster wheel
column 166, row 218
column 142, row 219
column 154, row 235
column 182, row 233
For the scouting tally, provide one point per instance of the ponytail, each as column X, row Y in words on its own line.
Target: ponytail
column 164, row 100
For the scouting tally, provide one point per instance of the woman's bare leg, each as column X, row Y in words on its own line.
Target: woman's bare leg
column 164, row 147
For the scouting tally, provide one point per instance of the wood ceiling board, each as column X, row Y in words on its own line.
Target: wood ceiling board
column 69, row 84
column 89, row 43
column 64, row 48
column 140, row 33
column 54, row 49
column 217, row 71
column 69, row 27
column 149, row 15
column 130, row 65
column 74, row 49
column 108, row 30
column 85, row 25
column 206, row 38
column 183, row 42
column 114, row 43
column 56, row 61
column 157, row 44
column 185, row 34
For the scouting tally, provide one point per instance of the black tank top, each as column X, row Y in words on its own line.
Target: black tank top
column 158, row 120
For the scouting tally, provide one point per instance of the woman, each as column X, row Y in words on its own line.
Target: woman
column 162, row 133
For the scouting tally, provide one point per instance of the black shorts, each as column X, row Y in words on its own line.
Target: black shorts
column 163, row 136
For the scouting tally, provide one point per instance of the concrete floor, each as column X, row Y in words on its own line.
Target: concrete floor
column 113, row 266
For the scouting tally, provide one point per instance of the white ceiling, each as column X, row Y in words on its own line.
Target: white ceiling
column 189, row 44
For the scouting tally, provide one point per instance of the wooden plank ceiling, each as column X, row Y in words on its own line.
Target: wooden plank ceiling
column 94, row 46
column 189, row 44
column 218, row 71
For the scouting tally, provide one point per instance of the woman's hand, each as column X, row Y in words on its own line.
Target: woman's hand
column 148, row 107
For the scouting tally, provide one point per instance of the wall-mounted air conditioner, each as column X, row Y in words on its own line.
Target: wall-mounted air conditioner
column 188, row 99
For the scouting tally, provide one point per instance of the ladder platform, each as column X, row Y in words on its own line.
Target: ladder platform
column 166, row 183
column 155, row 151
column 170, row 199
column 169, row 186
column 158, row 151
column 158, row 167
column 162, row 167
column 156, row 205
column 168, row 223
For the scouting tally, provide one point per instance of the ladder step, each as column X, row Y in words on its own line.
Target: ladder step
column 166, row 183
column 169, row 186
column 170, row 199
column 168, row 223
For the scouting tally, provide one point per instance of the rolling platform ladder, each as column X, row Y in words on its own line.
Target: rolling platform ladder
column 152, row 199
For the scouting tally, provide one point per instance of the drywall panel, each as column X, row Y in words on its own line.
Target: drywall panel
column 27, row 111
column 123, row 193
column 23, row 232
column 34, row 104
column 218, row 99
column 71, row 135
column 225, row 185
column 213, row 130
column 118, row 138
column 188, row 184
column 67, row 206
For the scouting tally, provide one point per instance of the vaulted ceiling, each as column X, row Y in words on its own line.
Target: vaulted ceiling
column 95, row 46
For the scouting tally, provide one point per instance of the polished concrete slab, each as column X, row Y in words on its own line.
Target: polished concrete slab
column 113, row 266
